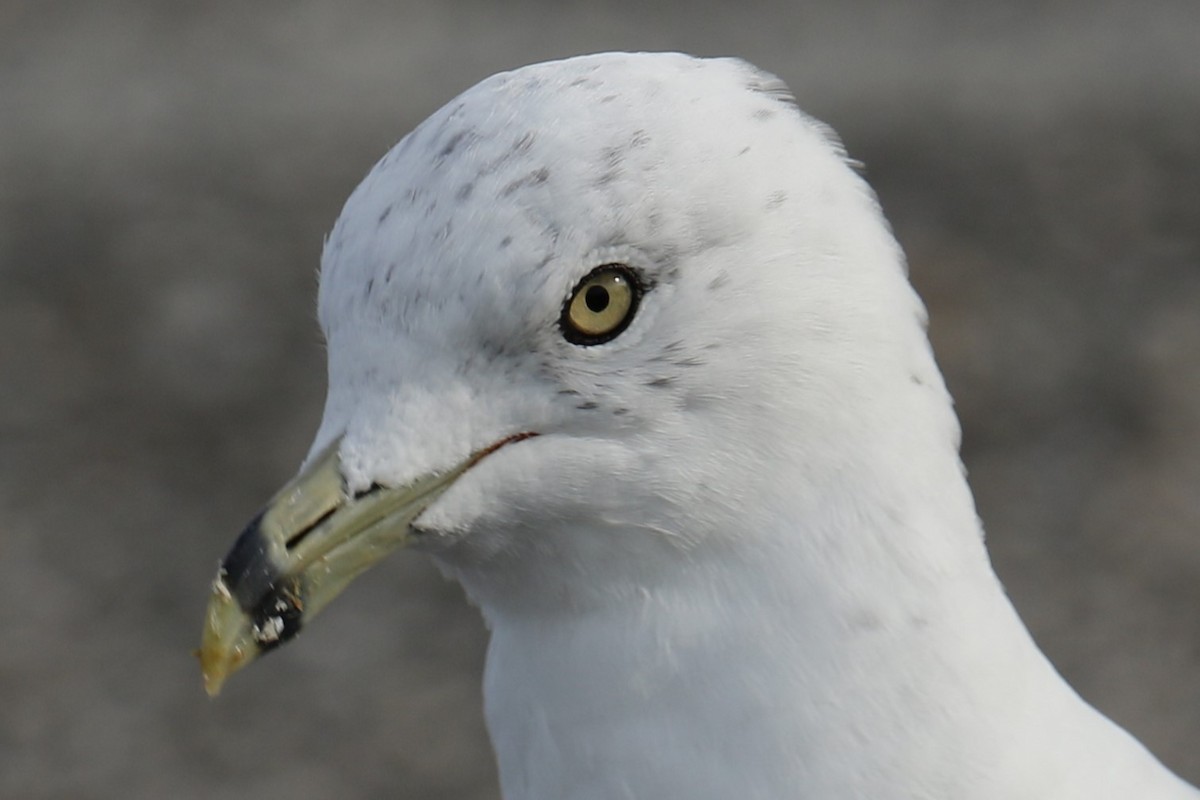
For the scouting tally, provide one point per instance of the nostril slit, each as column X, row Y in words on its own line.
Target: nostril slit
column 298, row 537
column 372, row 489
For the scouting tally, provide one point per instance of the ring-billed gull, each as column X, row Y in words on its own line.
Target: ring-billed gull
column 627, row 346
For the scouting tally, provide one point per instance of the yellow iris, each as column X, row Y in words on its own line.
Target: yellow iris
column 601, row 305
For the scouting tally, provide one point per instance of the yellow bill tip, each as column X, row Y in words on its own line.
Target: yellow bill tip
column 226, row 644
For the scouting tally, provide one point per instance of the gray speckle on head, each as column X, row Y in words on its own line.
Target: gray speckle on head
column 587, row 405
column 607, row 177
column 660, row 382
column 667, row 353
column 613, row 157
column 464, row 191
column 776, row 199
column 718, row 282
column 385, row 214
column 505, row 242
column 452, row 144
column 447, row 120
column 523, row 143
column 520, row 147
column 533, row 178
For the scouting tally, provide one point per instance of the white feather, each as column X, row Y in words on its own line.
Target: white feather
column 741, row 560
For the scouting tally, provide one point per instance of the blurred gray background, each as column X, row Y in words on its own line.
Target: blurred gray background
column 167, row 172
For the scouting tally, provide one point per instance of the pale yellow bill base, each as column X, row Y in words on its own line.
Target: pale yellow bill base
column 301, row 551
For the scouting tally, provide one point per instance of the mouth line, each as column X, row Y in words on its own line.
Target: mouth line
column 507, row 440
column 349, row 517
column 295, row 540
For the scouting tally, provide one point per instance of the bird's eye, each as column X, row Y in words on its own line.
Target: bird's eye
column 601, row 305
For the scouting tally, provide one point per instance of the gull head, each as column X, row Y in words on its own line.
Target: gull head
column 625, row 344
column 593, row 327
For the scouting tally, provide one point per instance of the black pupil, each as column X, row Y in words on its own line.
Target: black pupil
column 596, row 298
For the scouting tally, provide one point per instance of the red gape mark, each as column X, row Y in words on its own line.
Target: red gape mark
column 491, row 448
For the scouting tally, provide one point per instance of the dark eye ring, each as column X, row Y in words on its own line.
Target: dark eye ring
column 601, row 305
